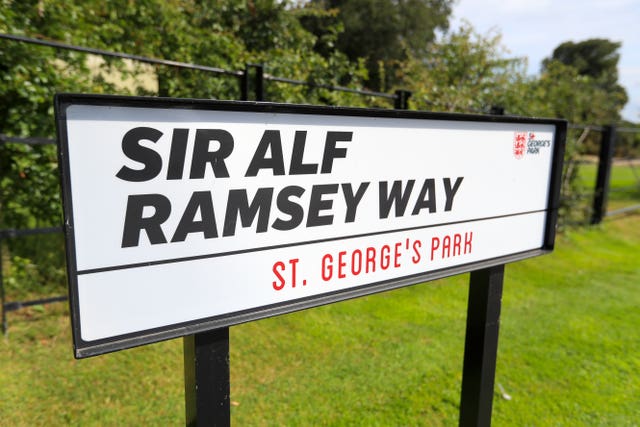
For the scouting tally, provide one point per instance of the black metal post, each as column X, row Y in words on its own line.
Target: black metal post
column 481, row 346
column 206, row 379
column 258, row 82
column 244, row 84
column 496, row 110
column 601, row 194
column 401, row 101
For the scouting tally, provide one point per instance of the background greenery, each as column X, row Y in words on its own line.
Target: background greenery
column 318, row 41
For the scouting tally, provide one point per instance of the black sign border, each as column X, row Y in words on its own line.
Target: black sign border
column 84, row 349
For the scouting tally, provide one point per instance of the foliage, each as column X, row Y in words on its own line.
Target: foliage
column 578, row 83
column 562, row 92
column 29, row 190
column 383, row 32
column 465, row 72
column 36, row 268
column 596, row 59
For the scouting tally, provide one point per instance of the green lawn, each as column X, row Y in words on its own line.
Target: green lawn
column 569, row 354
column 623, row 174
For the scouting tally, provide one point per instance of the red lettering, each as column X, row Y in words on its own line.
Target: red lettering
column 341, row 264
column 435, row 244
column 467, row 242
column 371, row 260
column 446, row 247
column 457, row 239
column 356, row 264
column 293, row 263
column 396, row 255
column 416, row 256
column 327, row 267
column 280, row 284
column 384, row 257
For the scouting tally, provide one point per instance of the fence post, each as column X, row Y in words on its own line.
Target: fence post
column 401, row 101
column 601, row 193
column 496, row 110
column 258, row 82
column 244, row 84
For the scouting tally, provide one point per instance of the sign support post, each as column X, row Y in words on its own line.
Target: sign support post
column 481, row 346
column 206, row 378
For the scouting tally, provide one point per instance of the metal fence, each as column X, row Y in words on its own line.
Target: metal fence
column 607, row 186
column 252, row 81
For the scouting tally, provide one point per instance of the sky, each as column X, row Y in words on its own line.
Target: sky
column 533, row 28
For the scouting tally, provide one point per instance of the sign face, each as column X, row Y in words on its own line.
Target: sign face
column 185, row 216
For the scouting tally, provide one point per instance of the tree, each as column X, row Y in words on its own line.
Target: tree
column 596, row 59
column 383, row 32
column 579, row 84
column 465, row 72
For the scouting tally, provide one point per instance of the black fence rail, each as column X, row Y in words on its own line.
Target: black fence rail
column 243, row 76
column 27, row 141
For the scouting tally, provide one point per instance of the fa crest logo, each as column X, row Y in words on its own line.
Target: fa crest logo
column 519, row 144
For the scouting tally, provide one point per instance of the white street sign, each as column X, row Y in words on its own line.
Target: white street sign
column 183, row 216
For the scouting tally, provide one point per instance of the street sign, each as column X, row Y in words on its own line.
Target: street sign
column 183, row 216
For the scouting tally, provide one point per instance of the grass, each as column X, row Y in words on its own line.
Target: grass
column 577, row 361
column 568, row 354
